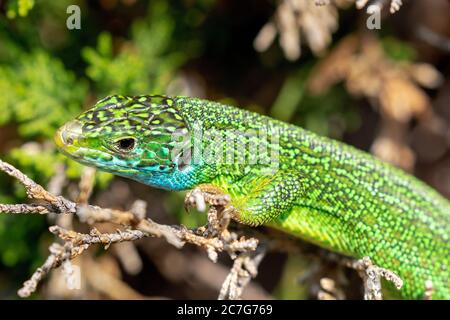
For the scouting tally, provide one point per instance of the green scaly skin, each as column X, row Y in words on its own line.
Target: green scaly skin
column 321, row 190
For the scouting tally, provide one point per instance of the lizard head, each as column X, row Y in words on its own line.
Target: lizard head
column 136, row 137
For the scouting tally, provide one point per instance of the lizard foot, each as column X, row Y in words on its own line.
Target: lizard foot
column 205, row 194
column 220, row 210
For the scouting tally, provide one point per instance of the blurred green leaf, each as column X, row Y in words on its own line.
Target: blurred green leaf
column 398, row 50
column 144, row 64
column 19, row 8
column 42, row 94
column 330, row 114
column 289, row 287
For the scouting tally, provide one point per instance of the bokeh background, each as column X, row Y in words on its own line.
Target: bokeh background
column 385, row 91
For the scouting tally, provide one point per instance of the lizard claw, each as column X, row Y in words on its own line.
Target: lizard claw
column 199, row 198
column 195, row 198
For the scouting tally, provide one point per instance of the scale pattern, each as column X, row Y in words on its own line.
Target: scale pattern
column 320, row 190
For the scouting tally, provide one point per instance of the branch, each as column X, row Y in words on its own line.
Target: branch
column 58, row 255
column 245, row 268
column 37, row 192
column 371, row 275
column 95, row 236
column 23, row 209
column 213, row 237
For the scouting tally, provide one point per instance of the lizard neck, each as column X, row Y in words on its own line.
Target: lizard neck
column 228, row 142
column 178, row 180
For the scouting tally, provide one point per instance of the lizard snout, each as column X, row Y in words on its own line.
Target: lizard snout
column 68, row 133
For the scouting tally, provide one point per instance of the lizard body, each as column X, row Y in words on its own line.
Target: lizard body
column 277, row 174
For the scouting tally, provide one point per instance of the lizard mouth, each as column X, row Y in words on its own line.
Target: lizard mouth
column 68, row 141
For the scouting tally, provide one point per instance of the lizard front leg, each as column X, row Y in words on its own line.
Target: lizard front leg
column 261, row 200
column 268, row 197
column 220, row 210
column 206, row 194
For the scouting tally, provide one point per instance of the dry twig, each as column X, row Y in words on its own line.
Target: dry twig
column 245, row 268
column 58, row 254
column 371, row 275
column 312, row 22
column 37, row 192
column 214, row 238
column 428, row 295
column 393, row 88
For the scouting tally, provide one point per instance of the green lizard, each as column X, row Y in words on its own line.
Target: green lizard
column 276, row 174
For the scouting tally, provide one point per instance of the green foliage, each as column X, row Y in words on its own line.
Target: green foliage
column 19, row 8
column 46, row 82
column 290, row 286
column 19, row 237
column 329, row 114
column 193, row 219
column 144, row 64
column 42, row 94
column 398, row 50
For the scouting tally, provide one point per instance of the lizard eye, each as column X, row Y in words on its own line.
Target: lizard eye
column 125, row 144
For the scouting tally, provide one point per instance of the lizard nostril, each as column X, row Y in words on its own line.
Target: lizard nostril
column 67, row 134
column 66, row 138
